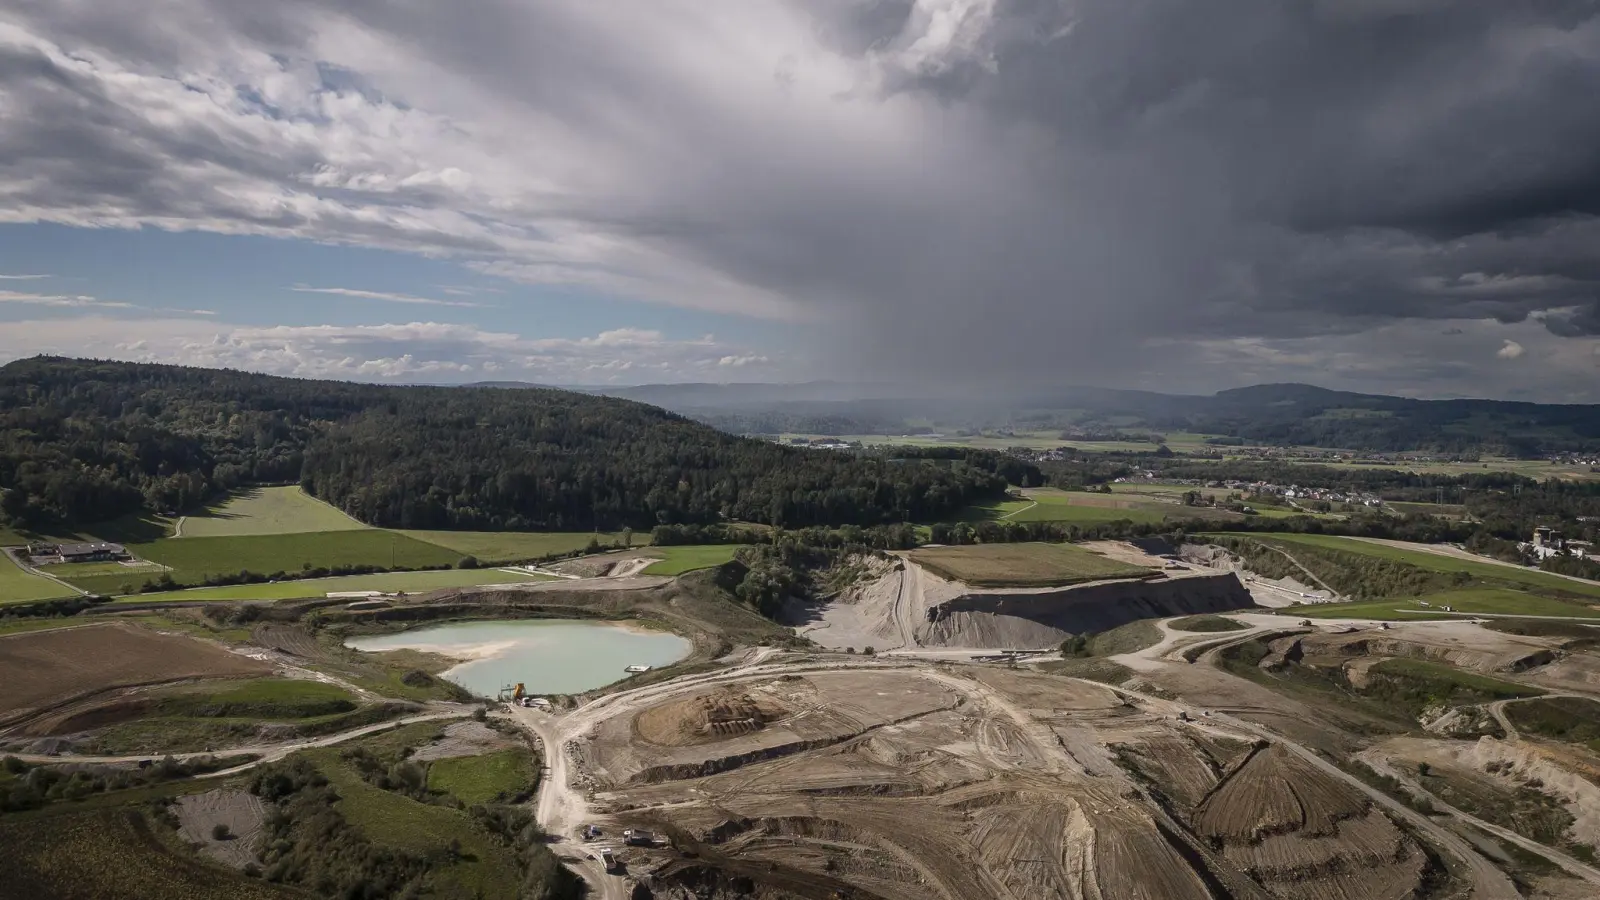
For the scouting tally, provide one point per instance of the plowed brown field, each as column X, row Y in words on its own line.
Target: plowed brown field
column 47, row 668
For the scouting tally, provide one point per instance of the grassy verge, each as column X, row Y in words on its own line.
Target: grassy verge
column 1102, row 670
column 1207, row 624
column 387, row 582
column 515, row 546
column 1483, row 601
column 1129, row 638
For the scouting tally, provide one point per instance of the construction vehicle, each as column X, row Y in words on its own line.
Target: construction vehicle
column 609, row 859
column 638, row 837
column 516, row 695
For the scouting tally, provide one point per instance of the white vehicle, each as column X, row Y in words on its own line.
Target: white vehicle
column 609, row 858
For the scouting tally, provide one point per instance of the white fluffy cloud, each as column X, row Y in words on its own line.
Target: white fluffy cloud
column 412, row 352
column 1510, row 350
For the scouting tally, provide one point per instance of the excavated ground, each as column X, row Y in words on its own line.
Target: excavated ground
column 975, row 782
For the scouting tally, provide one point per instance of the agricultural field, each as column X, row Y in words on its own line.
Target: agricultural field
column 1021, row 565
column 266, row 510
column 1484, row 601
column 18, row 586
column 45, row 668
column 192, row 559
column 387, row 582
column 1082, row 507
column 516, row 546
column 480, row 779
column 678, row 560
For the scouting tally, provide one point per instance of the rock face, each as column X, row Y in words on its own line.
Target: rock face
column 1043, row 618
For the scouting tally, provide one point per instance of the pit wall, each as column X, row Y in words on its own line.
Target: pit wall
column 1039, row 619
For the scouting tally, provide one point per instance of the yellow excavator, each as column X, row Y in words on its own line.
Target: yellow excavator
column 516, row 696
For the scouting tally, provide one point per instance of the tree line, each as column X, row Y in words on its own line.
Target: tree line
column 85, row 441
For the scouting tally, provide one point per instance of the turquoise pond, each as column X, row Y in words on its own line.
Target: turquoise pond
column 549, row 656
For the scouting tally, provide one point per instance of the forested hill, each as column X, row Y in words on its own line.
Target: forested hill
column 83, row 441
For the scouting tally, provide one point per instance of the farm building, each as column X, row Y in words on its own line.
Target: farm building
column 97, row 551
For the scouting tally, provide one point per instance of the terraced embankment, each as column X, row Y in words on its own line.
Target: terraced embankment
column 1046, row 617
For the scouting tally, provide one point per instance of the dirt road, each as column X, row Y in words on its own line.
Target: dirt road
column 267, row 752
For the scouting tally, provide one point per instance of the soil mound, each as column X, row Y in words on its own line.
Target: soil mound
column 711, row 716
column 1273, row 792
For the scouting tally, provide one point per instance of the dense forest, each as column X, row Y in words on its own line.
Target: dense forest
column 82, row 441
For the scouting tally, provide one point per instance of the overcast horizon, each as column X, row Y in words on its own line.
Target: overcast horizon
column 1386, row 196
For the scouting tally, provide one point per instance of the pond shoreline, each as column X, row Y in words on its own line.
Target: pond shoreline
column 549, row 656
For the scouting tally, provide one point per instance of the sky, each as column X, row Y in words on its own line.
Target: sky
column 1397, row 196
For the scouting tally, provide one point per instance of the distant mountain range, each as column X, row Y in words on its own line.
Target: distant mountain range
column 1278, row 414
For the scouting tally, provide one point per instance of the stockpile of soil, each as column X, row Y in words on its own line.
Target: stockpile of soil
column 711, row 716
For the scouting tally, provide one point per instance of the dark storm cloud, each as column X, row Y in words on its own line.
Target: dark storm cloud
column 967, row 190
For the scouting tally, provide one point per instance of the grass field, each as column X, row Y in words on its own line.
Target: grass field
column 17, row 586
column 480, row 779
column 515, row 546
column 262, row 698
column 1531, row 579
column 1051, row 505
column 387, row 582
column 1477, row 601
column 1021, row 565
column 268, row 510
column 192, row 559
column 678, row 560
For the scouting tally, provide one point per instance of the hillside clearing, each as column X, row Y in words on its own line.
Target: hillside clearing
column 678, row 560
column 1021, row 565
column 267, row 510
